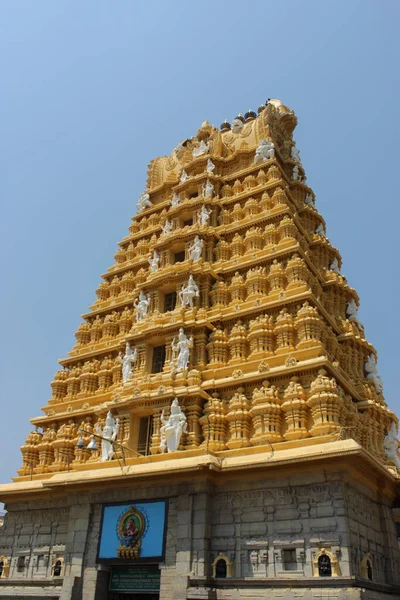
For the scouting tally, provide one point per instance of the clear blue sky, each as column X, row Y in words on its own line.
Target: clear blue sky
column 91, row 91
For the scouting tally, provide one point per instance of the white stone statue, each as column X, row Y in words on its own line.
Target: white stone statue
column 334, row 266
column 295, row 154
column 144, row 201
column 210, row 166
column 188, row 292
column 175, row 199
column 236, row 125
column 208, row 189
column 265, row 150
column 184, row 176
column 391, row 446
column 142, row 306
column 371, row 373
column 167, row 227
column 153, row 261
column 320, row 230
column 181, row 351
column 309, row 200
column 196, row 249
column 109, row 434
column 200, row 150
column 203, row 215
column 126, row 362
column 352, row 312
column 295, row 175
column 172, row 428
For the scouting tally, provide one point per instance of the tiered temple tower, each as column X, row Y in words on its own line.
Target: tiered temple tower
column 228, row 260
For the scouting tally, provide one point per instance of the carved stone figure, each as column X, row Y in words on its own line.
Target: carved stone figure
column 320, row 230
column 172, row 428
column 391, row 446
column 295, row 154
column 153, row 261
column 142, row 305
column 175, row 200
column 210, row 166
column 126, row 362
column 188, row 292
column 203, row 215
column 309, row 200
column 181, row 351
column 196, row 249
column 265, row 150
column 167, row 227
column 208, row 189
column 184, row 176
column 144, row 201
column 371, row 373
column 109, row 434
column 295, row 175
column 200, row 150
column 334, row 266
column 236, row 125
column 352, row 312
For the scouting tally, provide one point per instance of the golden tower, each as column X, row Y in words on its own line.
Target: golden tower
column 228, row 251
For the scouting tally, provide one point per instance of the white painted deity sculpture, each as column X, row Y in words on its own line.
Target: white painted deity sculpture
column 142, row 306
column 210, row 166
column 153, row 261
column 126, row 362
column 196, row 249
column 334, row 266
column 189, row 292
column 172, row 428
column 371, row 373
column 167, row 227
column 265, row 151
column 320, row 230
column 352, row 313
column 181, row 351
column 208, row 189
column 391, row 446
column 175, row 200
column 236, row 125
column 200, row 150
column 109, row 434
column 184, row 176
column 309, row 200
column 295, row 175
column 203, row 215
column 144, row 201
column 295, row 154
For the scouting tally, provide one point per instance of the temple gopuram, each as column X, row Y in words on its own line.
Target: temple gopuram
column 219, row 429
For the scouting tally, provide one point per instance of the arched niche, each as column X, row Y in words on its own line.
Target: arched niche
column 366, row 567
column 57, row 568
column 325, row 564
column 4, row 567
column 222, row 567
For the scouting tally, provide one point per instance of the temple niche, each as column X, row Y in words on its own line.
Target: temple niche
column 226, row 276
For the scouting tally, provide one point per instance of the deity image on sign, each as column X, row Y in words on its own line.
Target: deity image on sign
column 295, row 155
column 334, row 266
column 320, row 230
column 371, row 373
column 391, row 446
column 108, row 435
column 181, row 351
column 188, row 292
column 295, row 175
column 208, row 189
column 142, row 306
column 131, row 527
column 210, row 166
column 236, row 125
column 309, row 200
column 172, row 428
column 200, row 150
column 175, row 200
column 265, row 151
column 203, row 215
column 352, row 312
column 153, row 261
column 126, row 362
column 184, row 176
column 196, row 249
column 144, row 201
column 167, row 227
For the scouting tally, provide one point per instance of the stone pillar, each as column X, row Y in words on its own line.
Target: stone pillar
column 237, row 516
column 76, row 543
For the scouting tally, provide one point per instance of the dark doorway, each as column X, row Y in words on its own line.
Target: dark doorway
column 324, row 566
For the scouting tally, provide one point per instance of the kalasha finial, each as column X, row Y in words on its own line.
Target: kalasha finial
column 225, row 126
column 240, row 117
column 250, row 115
column 267, row 102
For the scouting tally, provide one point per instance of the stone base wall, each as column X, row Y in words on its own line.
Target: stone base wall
column 253, row 523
